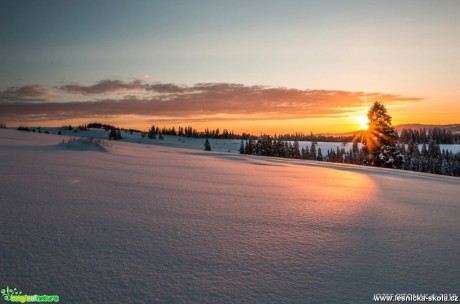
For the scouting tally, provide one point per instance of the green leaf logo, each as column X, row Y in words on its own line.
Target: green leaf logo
column 8, row 292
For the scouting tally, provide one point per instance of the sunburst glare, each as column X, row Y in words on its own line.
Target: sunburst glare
column 363, row 122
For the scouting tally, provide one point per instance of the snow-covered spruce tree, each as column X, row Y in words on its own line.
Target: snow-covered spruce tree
column 115, row 134
column 320, row 155
column 263, row 146
column 313, row 151
column 250, row 146
column 296, row 149
column 381, row 145
column 207, row 145
column 242, row 150
column 151, row 133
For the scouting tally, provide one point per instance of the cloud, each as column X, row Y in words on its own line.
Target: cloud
column 202, row 101
column 167, row 88
column 105, row 87
column 108, row 86
column 25, row 93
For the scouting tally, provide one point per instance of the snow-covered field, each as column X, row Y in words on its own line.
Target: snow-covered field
column 137, row 223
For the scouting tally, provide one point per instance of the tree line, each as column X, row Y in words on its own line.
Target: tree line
column 423, row 136
column 207, row 133
column 381, row 147
column 300, row 136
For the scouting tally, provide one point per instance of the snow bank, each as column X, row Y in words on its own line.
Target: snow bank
column 155, row 224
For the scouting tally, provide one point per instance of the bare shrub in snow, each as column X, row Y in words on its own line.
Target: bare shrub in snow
column 90, row 141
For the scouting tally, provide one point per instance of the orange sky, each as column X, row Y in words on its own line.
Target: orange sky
column 339, row 123
column 241, row 108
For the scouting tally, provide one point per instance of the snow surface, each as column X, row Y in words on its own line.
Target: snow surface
column 138, row 223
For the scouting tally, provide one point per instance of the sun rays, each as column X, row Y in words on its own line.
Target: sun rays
column 371, row 137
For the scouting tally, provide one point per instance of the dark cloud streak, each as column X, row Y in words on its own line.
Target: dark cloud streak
column 200, row 101
column 103, row 87
column 24, row 93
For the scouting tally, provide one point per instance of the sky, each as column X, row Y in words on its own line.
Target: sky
column 251, row 66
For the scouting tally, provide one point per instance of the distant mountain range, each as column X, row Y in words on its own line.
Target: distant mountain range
column 455, row 128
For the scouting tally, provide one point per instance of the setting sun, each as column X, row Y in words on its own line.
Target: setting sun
column 363, row 122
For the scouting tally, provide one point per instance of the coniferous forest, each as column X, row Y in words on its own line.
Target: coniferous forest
column 381, row 147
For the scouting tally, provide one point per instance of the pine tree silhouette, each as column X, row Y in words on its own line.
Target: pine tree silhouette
column 207, row 145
